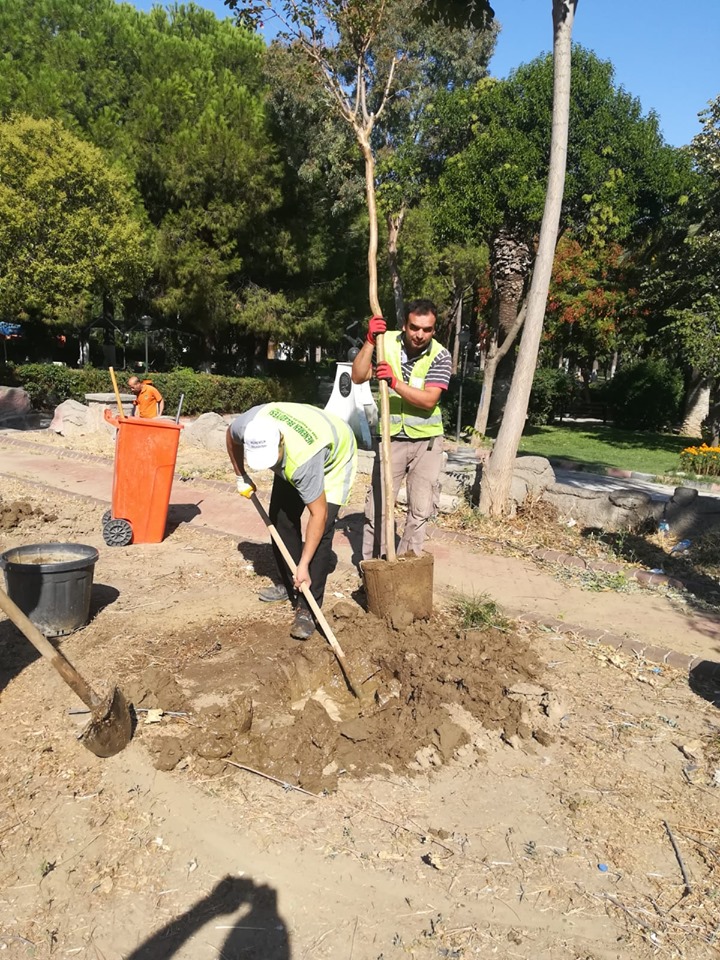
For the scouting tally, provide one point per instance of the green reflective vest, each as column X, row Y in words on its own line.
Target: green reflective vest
column 306, row 431
column 414, row 422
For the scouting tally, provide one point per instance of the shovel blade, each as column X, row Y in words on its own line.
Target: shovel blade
column 110, row 728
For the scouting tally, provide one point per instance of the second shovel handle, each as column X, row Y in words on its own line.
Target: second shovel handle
column 43, row 646
column 117, row 392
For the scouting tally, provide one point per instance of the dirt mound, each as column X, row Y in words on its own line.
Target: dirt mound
column 285, row 710
column 15, row 512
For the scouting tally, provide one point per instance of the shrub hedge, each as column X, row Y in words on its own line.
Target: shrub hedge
column 551, row 395
column 645, row 395
column 48, row 385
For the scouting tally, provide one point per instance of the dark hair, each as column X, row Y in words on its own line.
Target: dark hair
column 422, row 308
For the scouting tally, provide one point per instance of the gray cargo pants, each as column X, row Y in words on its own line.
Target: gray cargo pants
column 418, row 462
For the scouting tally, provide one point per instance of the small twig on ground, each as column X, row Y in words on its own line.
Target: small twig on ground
column 267, row 776
column 686, row 879
column 352, row 942
column 621, row 906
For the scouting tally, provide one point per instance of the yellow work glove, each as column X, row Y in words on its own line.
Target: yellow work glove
column 245, row 487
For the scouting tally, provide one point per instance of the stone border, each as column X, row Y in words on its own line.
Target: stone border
column 648, row 651
column 645, row 577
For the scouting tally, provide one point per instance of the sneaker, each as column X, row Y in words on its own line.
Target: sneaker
column 303, row 624
column 273, row 593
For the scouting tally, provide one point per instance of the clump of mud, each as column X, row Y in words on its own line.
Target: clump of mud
column 282, row 707
column 15, row 512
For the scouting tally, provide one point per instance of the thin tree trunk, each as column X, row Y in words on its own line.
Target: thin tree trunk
column 697, row 404
column 497, row 476
column 613, row 364
column 458, row 310
column 389, row 518
column 494, row 356
column 394, row 225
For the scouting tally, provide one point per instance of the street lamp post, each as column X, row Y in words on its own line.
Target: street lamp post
column 463, row 340
column 147, row 323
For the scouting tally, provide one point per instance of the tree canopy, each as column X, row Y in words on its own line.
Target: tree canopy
column 71, row 230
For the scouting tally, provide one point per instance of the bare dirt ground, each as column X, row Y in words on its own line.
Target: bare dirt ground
column 504, row 792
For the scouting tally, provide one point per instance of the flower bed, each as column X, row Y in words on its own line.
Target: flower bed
column 703, row 460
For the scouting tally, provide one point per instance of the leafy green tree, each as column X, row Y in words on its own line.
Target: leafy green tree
column 621, row 177
column 591, row 311
column 681, row 279
column 177, row 97
column 71, row 231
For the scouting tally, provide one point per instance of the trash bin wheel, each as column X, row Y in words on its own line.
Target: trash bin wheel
column 117, row 533
column 106, row 517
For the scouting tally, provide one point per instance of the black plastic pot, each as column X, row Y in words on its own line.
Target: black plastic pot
column 52, row 584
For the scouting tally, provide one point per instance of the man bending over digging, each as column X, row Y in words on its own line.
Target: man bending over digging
column 313, row 455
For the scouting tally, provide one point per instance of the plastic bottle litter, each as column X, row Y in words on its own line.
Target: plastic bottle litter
column 663, row 527
column 682, row 546
column 603, row 867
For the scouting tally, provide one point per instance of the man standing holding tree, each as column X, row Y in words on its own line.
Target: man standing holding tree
column 417, row 370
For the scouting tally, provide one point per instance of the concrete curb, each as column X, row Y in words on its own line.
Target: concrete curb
column 577, row 467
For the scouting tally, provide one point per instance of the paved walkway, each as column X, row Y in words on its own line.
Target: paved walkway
column 636, row 621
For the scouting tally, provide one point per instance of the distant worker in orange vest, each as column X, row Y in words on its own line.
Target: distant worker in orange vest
column 148, row 401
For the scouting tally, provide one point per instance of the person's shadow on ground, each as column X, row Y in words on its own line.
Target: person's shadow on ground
column 259, row 934
column 704, row 680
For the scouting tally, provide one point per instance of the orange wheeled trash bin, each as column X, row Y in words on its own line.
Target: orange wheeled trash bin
column 145, row 455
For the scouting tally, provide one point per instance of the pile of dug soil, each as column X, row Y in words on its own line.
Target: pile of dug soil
column 15, row 512
column 282, row 707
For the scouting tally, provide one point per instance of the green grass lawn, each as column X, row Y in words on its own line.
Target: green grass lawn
column 597, row 445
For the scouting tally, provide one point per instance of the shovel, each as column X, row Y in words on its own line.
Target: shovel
column 110, row 726
column 312, row 602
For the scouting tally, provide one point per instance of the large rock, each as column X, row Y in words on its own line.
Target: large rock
column 208, row 431
column 15, row 406
column 689, row 514
column 70, row 419
column 598, row 509
column 531, row 477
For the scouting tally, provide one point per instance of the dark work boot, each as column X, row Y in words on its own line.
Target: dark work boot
column 303, row 624
column 273, row 593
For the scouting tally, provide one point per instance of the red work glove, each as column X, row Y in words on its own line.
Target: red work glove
column 383, row 371
column 376, row 325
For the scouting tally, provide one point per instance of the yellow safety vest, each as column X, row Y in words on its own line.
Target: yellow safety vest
column 413, row 421
column 306, row 431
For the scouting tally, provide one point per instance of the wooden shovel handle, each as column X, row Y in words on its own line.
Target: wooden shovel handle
column 66, row 670
column 312, row 602
column 386, row 466
column 121, row 412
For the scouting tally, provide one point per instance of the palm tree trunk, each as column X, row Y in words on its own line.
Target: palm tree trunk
column 510, row 262
column 497, row 476
column 697, row 404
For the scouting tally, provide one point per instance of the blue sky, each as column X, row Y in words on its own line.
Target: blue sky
column 665, row 52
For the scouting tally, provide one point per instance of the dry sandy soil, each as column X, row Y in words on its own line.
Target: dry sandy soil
column 503, row 792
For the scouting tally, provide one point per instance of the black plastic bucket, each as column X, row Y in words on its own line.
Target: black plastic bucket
column 52, row 584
